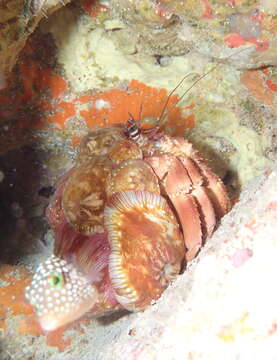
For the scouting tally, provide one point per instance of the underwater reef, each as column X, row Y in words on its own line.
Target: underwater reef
column 71, row 67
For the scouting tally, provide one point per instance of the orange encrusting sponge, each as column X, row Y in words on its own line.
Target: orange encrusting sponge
column 138, row 97
column 55, row 338
column 47, row 91
column 14, row 279
column 35, row 78
column 257, row 86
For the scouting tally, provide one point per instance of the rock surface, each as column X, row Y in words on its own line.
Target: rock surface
column 18, row 19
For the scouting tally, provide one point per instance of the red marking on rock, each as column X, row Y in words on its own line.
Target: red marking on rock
column 267, row 172
column 236, row 40
column 241, row 256
column 208, row 13
column 271, row 85
column 231, row 3
column 258, row 18
column 272, row 205
column 261, row 45
column 265, row 71
column 160, row 11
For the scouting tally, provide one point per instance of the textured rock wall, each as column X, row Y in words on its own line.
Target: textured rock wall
column 18, row 19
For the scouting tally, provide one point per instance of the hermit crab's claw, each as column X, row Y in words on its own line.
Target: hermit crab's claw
column 147, row 248
column 59, row 293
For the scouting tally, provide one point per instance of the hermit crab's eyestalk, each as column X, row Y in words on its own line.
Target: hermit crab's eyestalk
column 59, row 293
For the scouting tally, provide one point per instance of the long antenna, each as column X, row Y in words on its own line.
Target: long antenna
column 140, row 112
column 161, row 118
column 169, row 96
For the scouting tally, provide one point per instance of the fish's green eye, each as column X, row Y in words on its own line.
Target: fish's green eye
column 56, row 280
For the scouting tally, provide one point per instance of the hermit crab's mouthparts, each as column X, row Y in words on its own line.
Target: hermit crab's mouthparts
column 59, row 293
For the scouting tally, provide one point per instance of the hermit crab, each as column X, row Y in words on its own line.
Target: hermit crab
column 137, row 205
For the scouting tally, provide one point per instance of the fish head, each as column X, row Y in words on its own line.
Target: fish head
column 60, row 293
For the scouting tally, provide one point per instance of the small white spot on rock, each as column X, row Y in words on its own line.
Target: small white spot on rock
column 102, row 104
